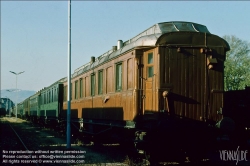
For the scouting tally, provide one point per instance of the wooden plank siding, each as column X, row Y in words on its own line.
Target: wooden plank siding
column 147, row 67
column 186, row 75
column 150, row 83
column 119, row 104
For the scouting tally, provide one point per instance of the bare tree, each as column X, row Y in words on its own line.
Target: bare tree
column 237, row 64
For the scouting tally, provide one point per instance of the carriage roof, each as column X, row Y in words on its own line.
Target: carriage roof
column 147, row 38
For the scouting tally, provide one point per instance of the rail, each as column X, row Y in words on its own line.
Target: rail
column 20, row 139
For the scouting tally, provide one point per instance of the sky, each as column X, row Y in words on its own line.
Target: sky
column 34, row 34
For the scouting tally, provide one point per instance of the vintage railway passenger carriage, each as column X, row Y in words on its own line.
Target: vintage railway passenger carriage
column 162, row 90
column 172, row 67
column 34, row 102
column 26, row 108
column 163, row 87
column 51, row 103
column 20, row 112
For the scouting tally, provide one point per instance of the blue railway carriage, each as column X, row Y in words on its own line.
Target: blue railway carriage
column 34, row 106
column 51, row 103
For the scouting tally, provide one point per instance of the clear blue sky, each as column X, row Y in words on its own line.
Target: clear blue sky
column 34, row 34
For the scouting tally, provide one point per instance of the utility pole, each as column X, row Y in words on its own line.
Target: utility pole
column 16, row 87
column 69, row 79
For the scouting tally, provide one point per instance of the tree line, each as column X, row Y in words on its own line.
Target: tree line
column 237, row 64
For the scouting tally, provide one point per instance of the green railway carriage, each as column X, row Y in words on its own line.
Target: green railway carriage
column 34, row 101
column 26, row 109
column 20, row 110
column 51, row 102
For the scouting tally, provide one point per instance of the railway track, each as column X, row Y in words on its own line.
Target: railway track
column 19, row 138
column 37, row 138
column 12, row 144
column 98, row 150
column 9, row 137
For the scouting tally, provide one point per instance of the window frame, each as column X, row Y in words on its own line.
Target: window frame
column 81, row 87
column 92, row 84
column 76, row 89
column 150, row 64
column 118, row 76
column 100, row 82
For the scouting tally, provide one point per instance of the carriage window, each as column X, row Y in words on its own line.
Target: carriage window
column 150, row 58
column 119, row 77
column 56, row 95
column 49, row 97
column 150, row 71
column 150, row 67
column 86, row 86
column 81, row 82
column 52, row 96
column 100, row 82
column 76, row 89
column 92, row 85
column 130, row 74
column 44, row 99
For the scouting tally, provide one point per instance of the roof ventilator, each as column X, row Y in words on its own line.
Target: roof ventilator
column 119, row 44
column 114, row 48
column 92, row 60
